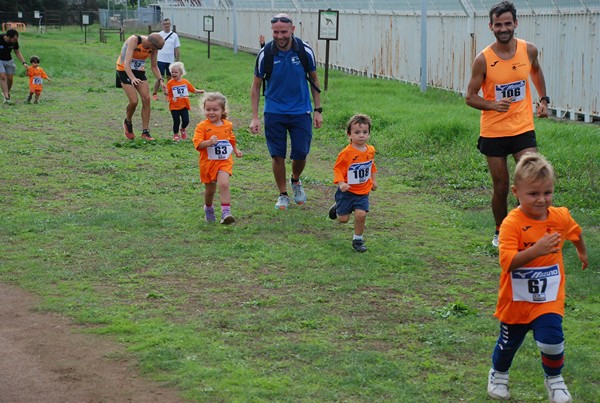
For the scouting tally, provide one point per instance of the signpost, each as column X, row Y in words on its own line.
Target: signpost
column 328, row 30
column 85, row 19
column 209, row 21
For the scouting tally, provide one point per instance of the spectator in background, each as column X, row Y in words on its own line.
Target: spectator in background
column 9, row 42
column 167, row 55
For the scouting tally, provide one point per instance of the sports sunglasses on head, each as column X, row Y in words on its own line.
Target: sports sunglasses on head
column 282, row 19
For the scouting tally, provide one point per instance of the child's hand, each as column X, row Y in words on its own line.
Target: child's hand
column 548, row 244
column 237, row 153
column 584, row 260
column 213, row 140
column 343, row 186
column 374, row 187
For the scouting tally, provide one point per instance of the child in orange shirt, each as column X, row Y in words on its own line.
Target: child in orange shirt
column 354, row 173
column 532, row 281
column 178, row 90
column 215, row 141
column 36, row 75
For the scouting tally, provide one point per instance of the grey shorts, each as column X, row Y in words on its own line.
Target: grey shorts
column 8, row 67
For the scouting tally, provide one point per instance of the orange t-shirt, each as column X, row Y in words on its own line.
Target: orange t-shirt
column 178, row 94
column 355, row 168
column 138, row 60
column 36, row 74
column 219, row 156
column 507, row 78
column 537, row 288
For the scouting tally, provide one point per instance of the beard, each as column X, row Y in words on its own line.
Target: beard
column 505, row 37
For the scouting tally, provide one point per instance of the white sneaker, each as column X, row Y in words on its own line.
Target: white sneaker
column 557, row 390
column 498, row 385
column 299, row 194
column 495, row 242
column 282, row 202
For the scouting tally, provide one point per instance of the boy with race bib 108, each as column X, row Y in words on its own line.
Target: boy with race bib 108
column 215, row 141
column 354, row 173
column 532, row 281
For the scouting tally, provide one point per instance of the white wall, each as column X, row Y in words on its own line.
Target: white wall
column 389, row 46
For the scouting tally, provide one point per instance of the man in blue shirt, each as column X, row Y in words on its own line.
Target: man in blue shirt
column 287, row 106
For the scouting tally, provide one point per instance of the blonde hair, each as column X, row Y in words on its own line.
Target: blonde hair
column 358, row 119
column 179, row 66
column 533, row 167
column 215, row 96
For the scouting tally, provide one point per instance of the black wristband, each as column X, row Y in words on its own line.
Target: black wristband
column 320, row 110
column 24, row 62
column 547, row 99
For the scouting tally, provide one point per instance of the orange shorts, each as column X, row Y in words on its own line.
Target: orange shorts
column 209, row 169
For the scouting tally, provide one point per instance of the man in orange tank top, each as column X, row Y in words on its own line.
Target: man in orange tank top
column 502, row 71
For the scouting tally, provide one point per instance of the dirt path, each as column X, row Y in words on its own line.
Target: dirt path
column 42, row 359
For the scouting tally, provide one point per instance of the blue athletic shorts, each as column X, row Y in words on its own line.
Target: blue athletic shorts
column 503, row 146
column 347, row 202
column 164, row 68
column 300, row 128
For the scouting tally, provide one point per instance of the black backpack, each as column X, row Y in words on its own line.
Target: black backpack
column 270, row 50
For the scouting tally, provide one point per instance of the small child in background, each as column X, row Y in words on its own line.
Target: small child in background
column 354, row 173
column 178, row 90
column 36, row 76
column 532, row 281
column 215, row 140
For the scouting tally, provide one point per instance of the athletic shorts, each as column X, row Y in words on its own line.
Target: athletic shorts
column 277, row 127
column 347, row 202
column 141, row 75
column 8, row 67
column 164, row 69
column 503, row 146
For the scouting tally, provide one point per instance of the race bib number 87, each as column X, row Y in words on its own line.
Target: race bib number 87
column 536, row 284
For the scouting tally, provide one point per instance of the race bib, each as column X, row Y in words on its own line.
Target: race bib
column 536, row 284
column 137, row 64
column 515, row 90
column 220, row 151
column 37, row 80
column 180, row 91
column 359, row 173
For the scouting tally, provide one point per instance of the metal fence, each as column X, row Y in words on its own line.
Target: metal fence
column 382, row 39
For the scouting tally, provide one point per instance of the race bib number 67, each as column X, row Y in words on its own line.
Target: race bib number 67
column 536, row 284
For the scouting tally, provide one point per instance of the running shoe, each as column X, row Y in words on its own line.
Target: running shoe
column 227, row 219
column 146, row 136
column 209, row 214
column 176, row 137
column 332, row 212
column 183, row 134
column 299, row 195
column 128, row 127
column 495, row 241
column 498, row 385
column 557, row 390
column 359, row 245
column 282, row 202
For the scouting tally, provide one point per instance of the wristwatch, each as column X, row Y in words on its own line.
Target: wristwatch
column 319, row 109
column 547, row 99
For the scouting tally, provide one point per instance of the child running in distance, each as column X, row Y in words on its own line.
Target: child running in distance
column 215, row 140
column 532, row 281
column 36, row 77
column 354, row 173
column 178, row 90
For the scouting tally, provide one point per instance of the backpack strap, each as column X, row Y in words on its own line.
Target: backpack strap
column 269, row 52
column 139, row 39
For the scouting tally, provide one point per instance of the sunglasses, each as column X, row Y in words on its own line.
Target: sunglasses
column 282, row 19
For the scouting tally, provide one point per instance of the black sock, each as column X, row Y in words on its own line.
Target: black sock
column 283, row 194
column 295, row 180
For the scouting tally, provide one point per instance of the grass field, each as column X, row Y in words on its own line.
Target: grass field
column 277, row 307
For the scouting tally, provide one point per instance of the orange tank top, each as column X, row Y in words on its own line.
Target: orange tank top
column 138, row 60
column 507, row 78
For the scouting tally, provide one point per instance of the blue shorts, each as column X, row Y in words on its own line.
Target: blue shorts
column 503, row 146
column 277, row 127
column 347, row 202
column 164, row 68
